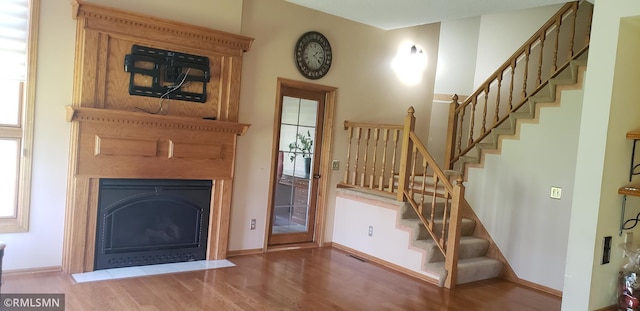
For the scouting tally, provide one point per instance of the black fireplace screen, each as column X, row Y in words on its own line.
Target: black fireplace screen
column 151, row 221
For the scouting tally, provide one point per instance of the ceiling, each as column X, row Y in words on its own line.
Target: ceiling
column 392, row 14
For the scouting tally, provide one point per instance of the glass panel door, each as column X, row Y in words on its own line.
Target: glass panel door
column 295, row 188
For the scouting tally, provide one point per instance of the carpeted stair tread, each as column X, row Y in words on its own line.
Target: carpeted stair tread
column 418, row 232
column 470, row 246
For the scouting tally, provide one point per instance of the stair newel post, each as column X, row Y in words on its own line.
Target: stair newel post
column 405, row 153
column 453, row 236
column 451, row 133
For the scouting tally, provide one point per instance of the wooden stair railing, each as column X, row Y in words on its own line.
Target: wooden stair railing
column 391, row 159
column 551, row 49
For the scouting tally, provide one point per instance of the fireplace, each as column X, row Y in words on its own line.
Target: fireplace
column 151, row 221
column 114, row 140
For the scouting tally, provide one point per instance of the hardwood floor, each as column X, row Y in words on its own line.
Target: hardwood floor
column 305, row 279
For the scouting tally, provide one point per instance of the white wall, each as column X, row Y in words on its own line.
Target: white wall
column 531, row 229
column 603, row 155
column 502, row 34
column 457, row 51
column 42, row 245
column 389, row 241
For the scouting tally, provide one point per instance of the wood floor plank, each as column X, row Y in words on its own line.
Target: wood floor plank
column 305, row 279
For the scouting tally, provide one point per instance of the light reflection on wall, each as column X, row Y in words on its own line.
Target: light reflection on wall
column 409, row 63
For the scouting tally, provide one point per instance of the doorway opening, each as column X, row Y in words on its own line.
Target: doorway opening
column 303, row 124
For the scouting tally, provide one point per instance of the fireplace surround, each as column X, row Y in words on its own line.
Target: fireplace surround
column 112, row 139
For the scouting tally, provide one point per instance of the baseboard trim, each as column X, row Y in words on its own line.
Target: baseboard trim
column 609, row 308
column 31, row 270
column 242, row 252
column 286, row 247
column 385, row 263
column 539, row 287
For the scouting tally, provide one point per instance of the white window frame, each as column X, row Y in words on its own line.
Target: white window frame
column 20, row 221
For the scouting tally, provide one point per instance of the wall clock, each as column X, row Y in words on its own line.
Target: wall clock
column 313, row 55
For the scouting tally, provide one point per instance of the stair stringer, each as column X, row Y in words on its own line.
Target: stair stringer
column 571, row 78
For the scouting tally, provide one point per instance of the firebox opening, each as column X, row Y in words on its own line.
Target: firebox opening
column 151, row 221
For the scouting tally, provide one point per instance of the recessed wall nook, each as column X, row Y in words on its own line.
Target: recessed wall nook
column 115, row 135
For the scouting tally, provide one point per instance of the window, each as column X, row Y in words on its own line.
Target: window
column 18, row 32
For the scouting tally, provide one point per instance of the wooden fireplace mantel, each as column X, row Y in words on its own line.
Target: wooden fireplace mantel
column 85, row 114
column 110, row 138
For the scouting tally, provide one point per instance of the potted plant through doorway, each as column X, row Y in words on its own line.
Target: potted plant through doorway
column 303, row 146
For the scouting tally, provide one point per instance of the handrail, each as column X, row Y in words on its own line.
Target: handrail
column 348, row 124
column 408, row 171
column 542, row 57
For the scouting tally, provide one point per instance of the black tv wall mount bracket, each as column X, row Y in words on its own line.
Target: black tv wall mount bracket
column 171, row 73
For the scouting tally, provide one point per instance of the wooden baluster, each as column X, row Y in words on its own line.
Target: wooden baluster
column 423, row 189
column 557, row 43
column 526, row 71
column 459, row 144
column 497, row 116
column 513, row 81
column 354, row 175
column 346, row 169
column 542, row 39
column 472, row 121
column 484, row 110
column 376, row 135
column 385, row 139
column 432, row 217
column 412, row 179
column 574, row 13
column 363, row 175
column 444, row 229
column 392, row 177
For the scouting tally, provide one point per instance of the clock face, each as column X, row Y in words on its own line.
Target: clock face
column 313, row 55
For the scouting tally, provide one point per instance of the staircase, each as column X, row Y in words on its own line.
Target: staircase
column 568, row 78
column 473, row 265
column 390, row 160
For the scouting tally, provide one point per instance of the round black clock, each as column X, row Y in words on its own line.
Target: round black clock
column 313, row 55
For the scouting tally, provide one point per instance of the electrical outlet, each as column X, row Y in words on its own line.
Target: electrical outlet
column 335, row 165
column 556, row 193
column 370, row 230
column 252, row 226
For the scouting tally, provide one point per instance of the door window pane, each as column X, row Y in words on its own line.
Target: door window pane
column 297, row 133
column 8, row 172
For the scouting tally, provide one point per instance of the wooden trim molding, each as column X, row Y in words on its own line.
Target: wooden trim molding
column 385, row 263
column 156, row 29
column 142, row 119
column 539, row 287
column 31, row 270
column 243, row 252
